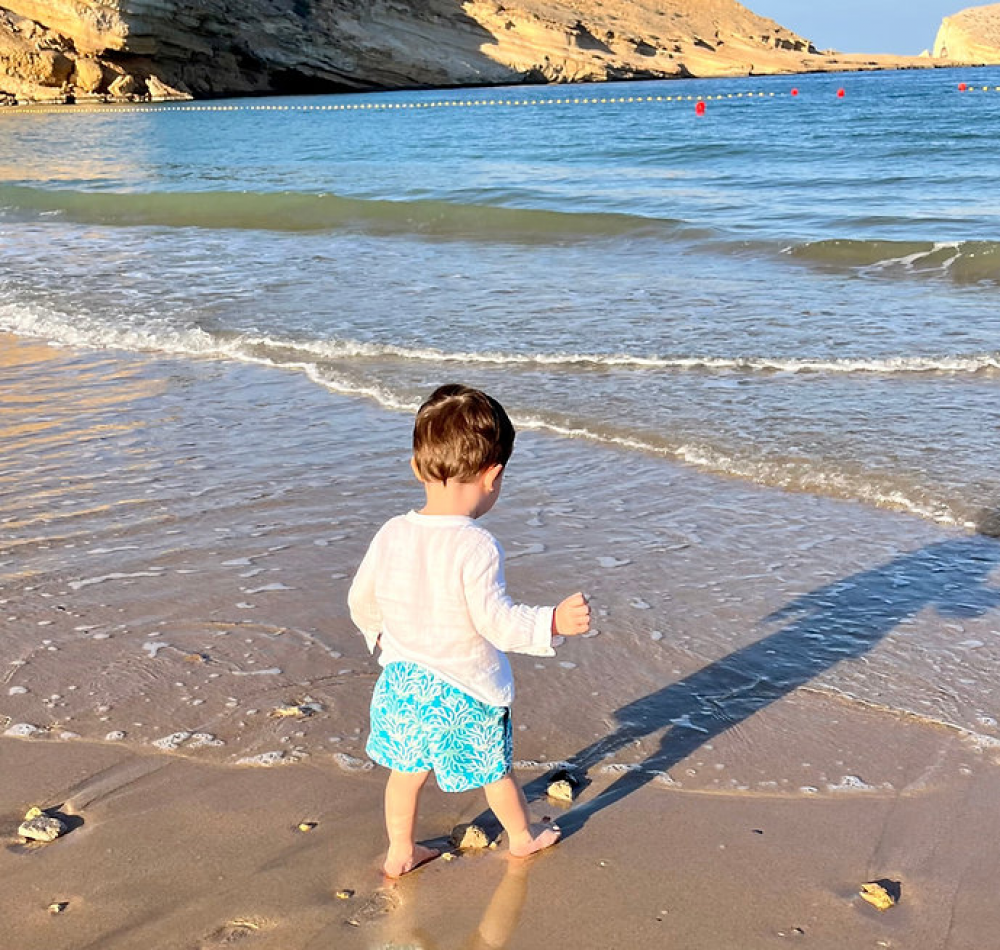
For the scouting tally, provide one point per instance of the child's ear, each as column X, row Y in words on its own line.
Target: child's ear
column 416, row 471
column 491, row 475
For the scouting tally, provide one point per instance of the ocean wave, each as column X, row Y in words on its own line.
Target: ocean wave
column 83, row 331
column 961, row 261
column 318, row 361
column 973, row 737
column 446, row 220
column 972, row 364
column 299, row 211
column 802, row 476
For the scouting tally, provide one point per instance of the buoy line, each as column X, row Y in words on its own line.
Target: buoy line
column 65, row 109
column 146, row 107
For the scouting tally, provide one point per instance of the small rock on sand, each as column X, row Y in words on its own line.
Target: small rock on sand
column 881, row 894
column 39, row 826
column 297, row 710
column 562, row 787
column 23, row 730
column 469, row 837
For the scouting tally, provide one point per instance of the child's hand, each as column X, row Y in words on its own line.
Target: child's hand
column 572, row 616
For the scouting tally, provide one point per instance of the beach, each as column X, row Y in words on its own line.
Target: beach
column 751, row 358
column 152, row 660
column 176, row 853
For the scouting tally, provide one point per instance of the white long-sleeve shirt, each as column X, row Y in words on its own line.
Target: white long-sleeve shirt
column 431, row 590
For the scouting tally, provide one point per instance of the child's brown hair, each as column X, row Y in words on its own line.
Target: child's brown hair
column 459, row 432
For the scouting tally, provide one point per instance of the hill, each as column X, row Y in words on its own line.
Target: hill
column 59, row 50
column 971, row 36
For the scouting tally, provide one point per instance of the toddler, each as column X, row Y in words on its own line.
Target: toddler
column 430, row 593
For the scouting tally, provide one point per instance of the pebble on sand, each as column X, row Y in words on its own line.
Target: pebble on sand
column 562, row 787
column 469, row 837
column 296, row 710
column 561, row 791
column 880, row 894
column 39, row 826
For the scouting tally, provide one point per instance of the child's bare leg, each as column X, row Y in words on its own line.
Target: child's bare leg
column 402, row 794
column 509, row 805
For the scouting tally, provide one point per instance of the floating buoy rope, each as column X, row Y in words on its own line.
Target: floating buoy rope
column 491, row 103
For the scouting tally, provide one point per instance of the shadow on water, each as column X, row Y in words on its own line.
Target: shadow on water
column 840, row 621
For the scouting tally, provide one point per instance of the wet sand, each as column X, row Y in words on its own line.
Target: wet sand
column 179, row 854
column 786, row 695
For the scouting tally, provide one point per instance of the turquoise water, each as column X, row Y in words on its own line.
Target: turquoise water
column 797, row 291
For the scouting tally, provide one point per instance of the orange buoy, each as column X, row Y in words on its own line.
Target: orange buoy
column 699, row 108
column 962, row 87
column 840, row 93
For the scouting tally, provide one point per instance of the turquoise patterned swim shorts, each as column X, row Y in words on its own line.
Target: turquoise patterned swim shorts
column 419, row 722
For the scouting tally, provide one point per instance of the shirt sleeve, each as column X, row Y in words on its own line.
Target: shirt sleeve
column 510, row 627
column 361, row 601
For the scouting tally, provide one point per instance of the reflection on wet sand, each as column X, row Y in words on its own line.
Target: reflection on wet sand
column 493, row 931
column 64, row 425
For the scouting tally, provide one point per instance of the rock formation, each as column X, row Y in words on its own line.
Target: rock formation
column 971, row 36
column 60, row 50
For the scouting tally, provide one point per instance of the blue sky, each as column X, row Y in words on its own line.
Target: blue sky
column 906, row 27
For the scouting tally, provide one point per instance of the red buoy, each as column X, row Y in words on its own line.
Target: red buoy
column 795, row 92
column 840, row 93
column 699, row 109
column 962, row 87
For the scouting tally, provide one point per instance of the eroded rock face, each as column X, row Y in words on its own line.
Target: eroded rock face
column 971, row 36
column 76, row 59
column 88, row 75
column 225, row 47
column 92, row 26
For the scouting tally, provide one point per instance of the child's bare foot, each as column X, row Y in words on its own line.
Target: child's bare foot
column 538, row 838
column 396, row 865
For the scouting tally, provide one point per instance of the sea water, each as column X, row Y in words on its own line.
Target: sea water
column 797, row 292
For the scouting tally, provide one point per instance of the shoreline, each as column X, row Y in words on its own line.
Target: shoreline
column 182, row 533
column 213, row 591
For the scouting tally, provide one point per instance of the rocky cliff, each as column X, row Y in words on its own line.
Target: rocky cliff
column 78, row 49
column 971, row 36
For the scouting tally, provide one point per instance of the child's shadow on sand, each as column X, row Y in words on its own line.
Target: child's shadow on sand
column 840, row 621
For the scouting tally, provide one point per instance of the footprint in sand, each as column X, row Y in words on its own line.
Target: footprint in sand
column 382, row 902
column 235, row 931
